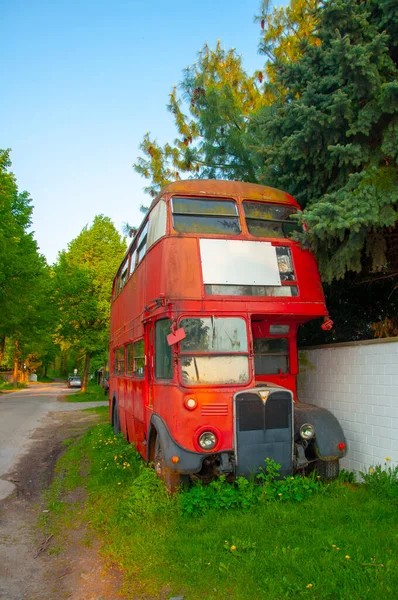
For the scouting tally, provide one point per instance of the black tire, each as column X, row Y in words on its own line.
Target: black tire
column 171, row 479
column 328, row 469
column 115, row 419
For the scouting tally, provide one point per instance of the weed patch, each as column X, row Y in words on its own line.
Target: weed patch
column 382, row 480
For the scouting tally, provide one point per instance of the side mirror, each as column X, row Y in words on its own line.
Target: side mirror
column 176, row 336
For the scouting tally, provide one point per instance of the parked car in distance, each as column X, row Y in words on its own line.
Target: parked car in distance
column 74, row 382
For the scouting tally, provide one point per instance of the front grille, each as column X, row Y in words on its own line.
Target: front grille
column 254, row 415
column 214, row 409
column 263, row 430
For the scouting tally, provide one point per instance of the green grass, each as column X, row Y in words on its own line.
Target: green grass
column 4, row 385
column 340, row 543
column 94, row 393
column 44, row 379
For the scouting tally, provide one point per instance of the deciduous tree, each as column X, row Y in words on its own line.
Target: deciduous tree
column 84, row 275
column 25, row 283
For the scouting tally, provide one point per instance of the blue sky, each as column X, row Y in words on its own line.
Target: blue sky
column 83, row 81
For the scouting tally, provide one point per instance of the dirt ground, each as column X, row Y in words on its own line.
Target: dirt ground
column 31, row 565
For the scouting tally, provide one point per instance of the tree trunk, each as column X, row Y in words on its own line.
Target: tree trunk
column 2, row 344
column 85, row 374
column 63, row 363
column 16, row 357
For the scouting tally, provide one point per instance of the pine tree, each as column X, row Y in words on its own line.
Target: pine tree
column 213, row 137
column 333, row 142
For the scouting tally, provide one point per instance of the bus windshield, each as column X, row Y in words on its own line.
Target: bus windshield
column 214, row 351
column 270, row 220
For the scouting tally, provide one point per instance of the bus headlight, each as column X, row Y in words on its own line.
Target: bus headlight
column 307, row 431
column 207, row 440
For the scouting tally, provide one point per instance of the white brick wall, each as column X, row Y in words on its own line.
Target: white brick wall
column 358, row 383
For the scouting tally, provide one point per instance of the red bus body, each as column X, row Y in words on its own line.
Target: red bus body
column 204, row 317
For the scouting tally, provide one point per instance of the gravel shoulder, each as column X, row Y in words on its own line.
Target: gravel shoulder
column 33, row 567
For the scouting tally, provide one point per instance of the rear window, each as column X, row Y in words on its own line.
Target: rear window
column 270, row 220
column 205, row 215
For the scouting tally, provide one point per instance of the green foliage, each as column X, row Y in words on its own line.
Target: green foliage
column 285, row 32
column 244, row 494
column 332, row 142
column 26, row 316
column 382, row 480
column 213, row 138
column 83, row 282
column 336, row 545
column 345, row 476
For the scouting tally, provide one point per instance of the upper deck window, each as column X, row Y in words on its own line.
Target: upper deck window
column 157, row 223
column 205, row 215
column 141, row 243
column 270, row 220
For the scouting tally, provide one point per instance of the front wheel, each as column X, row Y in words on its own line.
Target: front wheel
column 328, row 469
column 171, row 479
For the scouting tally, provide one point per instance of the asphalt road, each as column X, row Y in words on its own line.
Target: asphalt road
column 21, row 413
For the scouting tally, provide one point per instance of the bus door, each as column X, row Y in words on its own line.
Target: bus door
column 149, row 356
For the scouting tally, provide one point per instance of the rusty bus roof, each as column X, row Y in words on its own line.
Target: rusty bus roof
column 219, row 187
column 213, row 188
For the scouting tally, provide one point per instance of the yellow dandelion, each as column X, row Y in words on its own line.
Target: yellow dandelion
column 347, row 557
column 309, row 586
column 279, row 494
column 388, row 458
column 119, row 483
column 233, row 548
column 371, row 470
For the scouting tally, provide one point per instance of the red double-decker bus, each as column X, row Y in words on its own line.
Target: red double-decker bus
column 203, row 352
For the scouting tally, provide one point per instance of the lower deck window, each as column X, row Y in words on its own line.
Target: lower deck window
column 213, row 370
column 119, row 361
column 139, row 358
column 271, row 356
column 215, row 351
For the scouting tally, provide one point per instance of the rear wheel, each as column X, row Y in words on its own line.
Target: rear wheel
column 328, row 469
column 171, row 479
column 115, row 419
